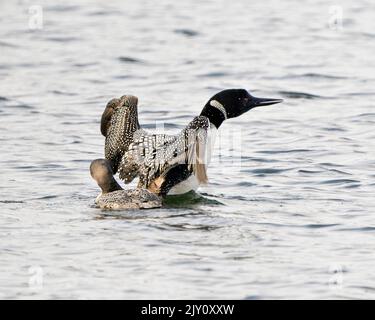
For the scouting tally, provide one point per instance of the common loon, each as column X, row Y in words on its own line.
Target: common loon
column 169, row 164
column 113, row 196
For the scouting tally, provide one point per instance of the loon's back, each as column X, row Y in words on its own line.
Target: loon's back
column 163, row 161
column 129, row 199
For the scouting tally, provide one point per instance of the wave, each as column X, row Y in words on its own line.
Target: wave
column 126, row 59
column 301, row 95
column 187, row 32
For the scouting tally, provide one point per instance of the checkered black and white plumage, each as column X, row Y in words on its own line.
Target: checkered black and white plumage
column 159, row 160
column 152, row 156
column 122, row 125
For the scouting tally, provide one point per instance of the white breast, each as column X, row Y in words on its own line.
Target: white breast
column 187, row 185
column 191, row 183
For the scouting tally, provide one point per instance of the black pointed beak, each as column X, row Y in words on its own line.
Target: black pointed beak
column 259, row 102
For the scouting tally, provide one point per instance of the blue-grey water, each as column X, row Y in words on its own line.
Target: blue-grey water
column 289, row 208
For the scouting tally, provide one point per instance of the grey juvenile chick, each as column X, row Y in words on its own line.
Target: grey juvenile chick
column 113, row 196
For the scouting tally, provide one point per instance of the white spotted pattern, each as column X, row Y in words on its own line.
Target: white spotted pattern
column 151, row 156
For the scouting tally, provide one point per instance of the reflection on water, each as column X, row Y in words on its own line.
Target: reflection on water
column 288, row 211
column 189, row 200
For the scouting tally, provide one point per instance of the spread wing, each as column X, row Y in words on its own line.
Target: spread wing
column 122, row 125
column 152, row 156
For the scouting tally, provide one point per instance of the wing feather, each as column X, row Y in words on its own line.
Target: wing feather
column 152, row 156
column 123, row 124
column 143, row 144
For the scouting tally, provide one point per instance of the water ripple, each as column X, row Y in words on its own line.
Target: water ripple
column 286, row 182
column 301, row 95
column 187, row 32
column 266, row 171
column 283, row 151
column 339, row 181
column 130, row 60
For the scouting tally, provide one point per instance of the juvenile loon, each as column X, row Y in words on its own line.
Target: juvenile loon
column 113, row 196
column 169, row 164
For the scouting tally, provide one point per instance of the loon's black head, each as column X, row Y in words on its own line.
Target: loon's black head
column 232, row 103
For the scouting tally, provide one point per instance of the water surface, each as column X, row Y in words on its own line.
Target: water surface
column 288, row 212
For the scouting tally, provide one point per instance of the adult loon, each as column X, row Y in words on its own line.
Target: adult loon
column 169, row 164
column 113, row 196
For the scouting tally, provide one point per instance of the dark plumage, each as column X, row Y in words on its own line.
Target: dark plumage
column 121, row 121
